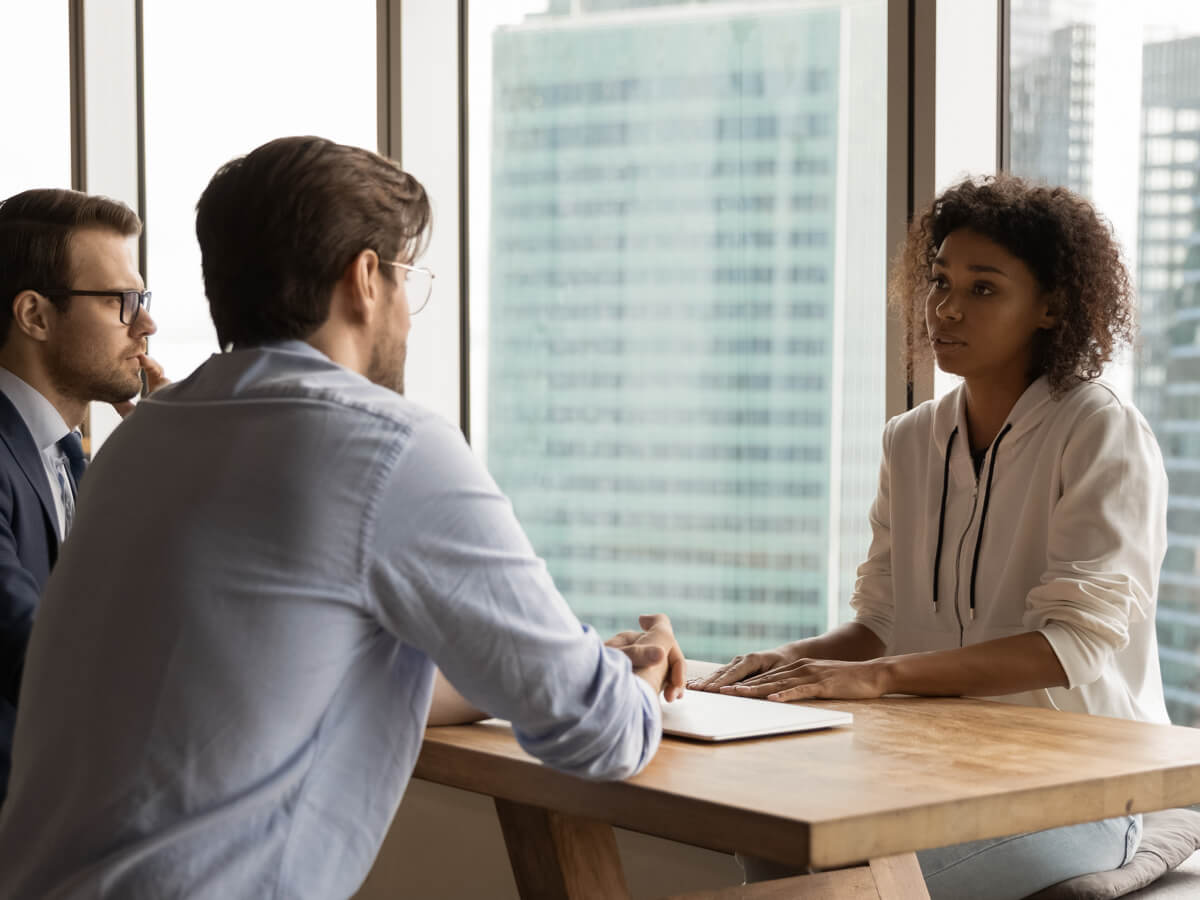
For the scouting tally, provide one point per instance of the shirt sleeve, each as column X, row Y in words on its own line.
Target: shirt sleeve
column 1107, row 543
column 453, row 574
column 872, row 601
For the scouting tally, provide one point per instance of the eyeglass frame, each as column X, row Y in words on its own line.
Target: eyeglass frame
column 428, row 291
column 143, row 300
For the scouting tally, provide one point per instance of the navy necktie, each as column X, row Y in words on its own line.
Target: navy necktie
column 72, row 448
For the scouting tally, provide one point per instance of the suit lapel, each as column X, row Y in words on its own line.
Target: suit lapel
column 15, row 434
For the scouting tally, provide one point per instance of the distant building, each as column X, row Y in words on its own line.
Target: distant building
column 681, row 364
column 1052, row 107
column 1167, row 385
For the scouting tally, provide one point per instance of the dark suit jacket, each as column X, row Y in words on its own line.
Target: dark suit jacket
column 28, row 548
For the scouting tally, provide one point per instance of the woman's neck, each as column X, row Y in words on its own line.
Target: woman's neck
column 988, row 406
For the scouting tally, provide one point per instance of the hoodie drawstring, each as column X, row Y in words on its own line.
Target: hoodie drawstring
column 937, row 558
column 987, row 496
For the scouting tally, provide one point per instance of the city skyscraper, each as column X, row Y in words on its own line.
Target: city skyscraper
column 1052, row 106
column 1167, row 387
column 685, row 372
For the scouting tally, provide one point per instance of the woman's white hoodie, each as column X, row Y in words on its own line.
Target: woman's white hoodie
column 1071, row 499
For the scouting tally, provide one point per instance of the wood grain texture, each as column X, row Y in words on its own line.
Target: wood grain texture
column 560, row 857
column 844, row 884
column 891, row 878
column 910, row 774
column 899, row 878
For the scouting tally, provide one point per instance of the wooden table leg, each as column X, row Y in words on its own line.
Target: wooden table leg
column 899, row 878
column 560, row 857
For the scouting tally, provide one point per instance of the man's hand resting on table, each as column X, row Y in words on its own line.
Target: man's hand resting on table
column 655, row 654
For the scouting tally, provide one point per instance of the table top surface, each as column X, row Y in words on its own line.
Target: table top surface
column 910, row 773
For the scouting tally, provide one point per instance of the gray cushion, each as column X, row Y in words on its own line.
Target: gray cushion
column 1168, row 838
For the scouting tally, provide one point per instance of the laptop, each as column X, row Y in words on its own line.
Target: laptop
column 721, row 717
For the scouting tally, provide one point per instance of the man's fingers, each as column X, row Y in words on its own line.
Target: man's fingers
column 654, row 620
column 624, row 639
column 676, row 673
column 155, row 375
column 642, row 655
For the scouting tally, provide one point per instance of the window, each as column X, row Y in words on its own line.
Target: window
column 677, row 301
column 36, row 150
column 214, row 92
column 1145, row 66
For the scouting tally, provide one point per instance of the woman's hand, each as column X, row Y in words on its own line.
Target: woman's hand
column 806, row 679
column 740, row 668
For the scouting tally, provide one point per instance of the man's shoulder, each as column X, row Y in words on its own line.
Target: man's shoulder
column 15, row 437
column 11, row 421
column 349, row 391
column 302, row 379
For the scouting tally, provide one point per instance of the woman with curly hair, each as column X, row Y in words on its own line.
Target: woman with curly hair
column 1020, row 522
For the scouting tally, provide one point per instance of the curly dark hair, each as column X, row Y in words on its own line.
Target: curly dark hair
column 1067, row 245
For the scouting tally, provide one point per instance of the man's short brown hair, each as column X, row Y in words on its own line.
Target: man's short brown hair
column 279, row 226
column 35, row 240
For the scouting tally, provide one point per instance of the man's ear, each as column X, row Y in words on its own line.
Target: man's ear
column 31, row 314
column 360, row 285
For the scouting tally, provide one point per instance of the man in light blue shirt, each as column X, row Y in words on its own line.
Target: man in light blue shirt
column 278, row 554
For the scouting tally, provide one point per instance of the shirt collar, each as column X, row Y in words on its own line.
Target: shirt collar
column 297, row 346
column 38, row 413
column 291, row 345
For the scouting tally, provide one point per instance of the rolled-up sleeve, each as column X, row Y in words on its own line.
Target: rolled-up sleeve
column 453, row 574
column 1106, row 544
column 873, row 600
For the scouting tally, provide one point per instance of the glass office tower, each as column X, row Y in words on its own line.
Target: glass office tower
column 1052, row 107
column 685, row 375
column 1055, row 59
column 1168, row 373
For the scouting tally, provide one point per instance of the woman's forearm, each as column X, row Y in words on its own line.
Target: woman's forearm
column 1011, row 665
column 851, row 641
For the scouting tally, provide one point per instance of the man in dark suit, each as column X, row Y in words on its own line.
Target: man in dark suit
column 74, row 320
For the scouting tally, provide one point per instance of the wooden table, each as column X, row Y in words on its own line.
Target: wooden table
column 910, row 774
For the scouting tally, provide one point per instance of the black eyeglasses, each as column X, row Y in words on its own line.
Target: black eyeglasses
column 132, row 302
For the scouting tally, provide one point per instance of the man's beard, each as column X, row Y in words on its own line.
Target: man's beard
column 86, row 380
column 386, row 366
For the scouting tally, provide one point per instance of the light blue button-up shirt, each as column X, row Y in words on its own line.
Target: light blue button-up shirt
column 232, row 665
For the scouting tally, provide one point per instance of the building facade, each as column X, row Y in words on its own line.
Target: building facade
column 680, row 367
column 1167, row 387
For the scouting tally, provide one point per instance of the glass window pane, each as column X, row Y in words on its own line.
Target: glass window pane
column 1134, row 63
column 214, row 92
column 677, row 287
column 965, row 119
column 36, row 149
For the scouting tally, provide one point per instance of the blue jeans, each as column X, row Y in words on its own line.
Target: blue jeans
column 1007, row 868
column 1012, row 867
